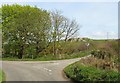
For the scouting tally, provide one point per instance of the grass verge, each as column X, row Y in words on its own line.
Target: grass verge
column 79, row 72
column 50, row 57
column 2, row 76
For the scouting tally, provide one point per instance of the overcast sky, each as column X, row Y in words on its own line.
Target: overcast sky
column 96, row 18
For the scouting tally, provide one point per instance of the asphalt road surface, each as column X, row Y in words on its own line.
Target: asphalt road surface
column 36, row 70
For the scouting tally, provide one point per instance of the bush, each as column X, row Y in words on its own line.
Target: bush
column 101, row 54
column 78, row 72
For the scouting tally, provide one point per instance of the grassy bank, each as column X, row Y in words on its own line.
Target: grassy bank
column 2, row 76
column 102, row 66
column 79, row 72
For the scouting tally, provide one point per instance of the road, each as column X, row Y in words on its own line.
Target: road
column 36, row 70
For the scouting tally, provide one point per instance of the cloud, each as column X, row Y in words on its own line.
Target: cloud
column 101, row 34
column 104, row 35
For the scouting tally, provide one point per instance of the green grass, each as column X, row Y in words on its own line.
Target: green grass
column 71, row 50
column 50, row 57
column 2, row 76
column 79, row 72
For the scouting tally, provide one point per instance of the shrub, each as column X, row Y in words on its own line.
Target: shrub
column 101, row 54
column 78, row 72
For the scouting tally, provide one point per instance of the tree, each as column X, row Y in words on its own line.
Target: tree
column 61, row 28
column 23, row 27
column 71, row 28
column 0, row 43
column 28, row 31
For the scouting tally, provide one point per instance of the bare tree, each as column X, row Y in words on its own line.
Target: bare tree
column 71, row 28
column 57, row 21
column 61, row 28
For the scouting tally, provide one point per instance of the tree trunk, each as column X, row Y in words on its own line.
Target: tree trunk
column 54, row 49
column 37, row 50
column 20, row 53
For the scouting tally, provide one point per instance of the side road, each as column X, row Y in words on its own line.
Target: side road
column 36, row 70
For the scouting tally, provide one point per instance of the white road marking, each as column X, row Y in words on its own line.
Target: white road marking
column 47, row 69
column 50, row 70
